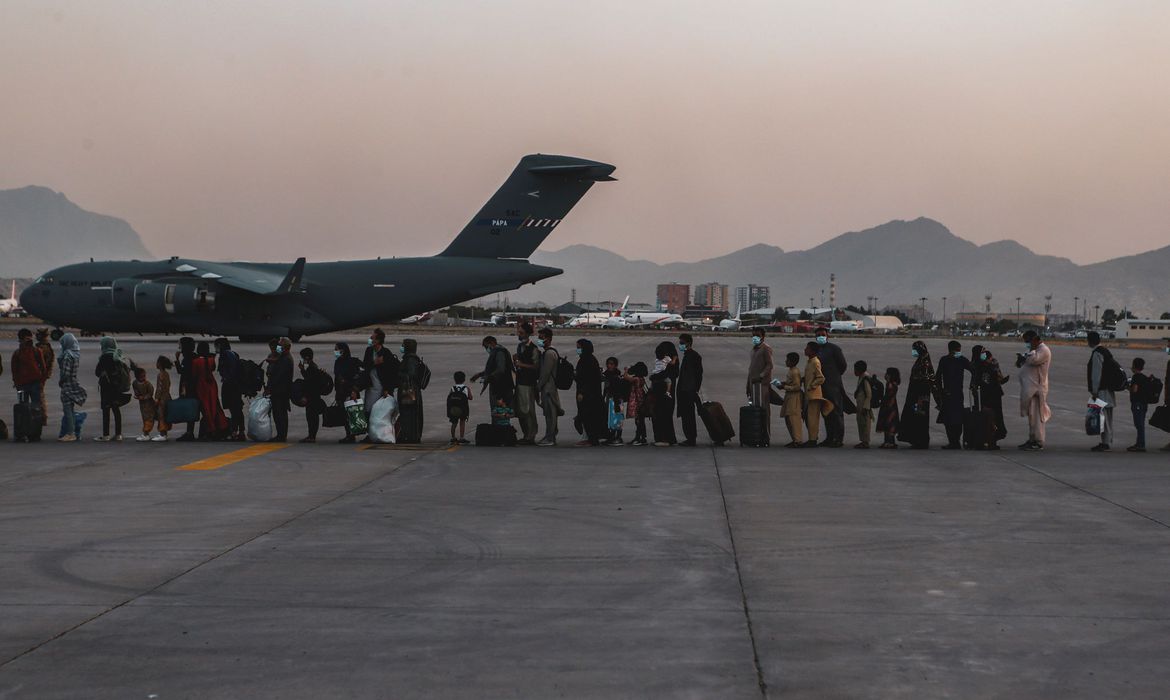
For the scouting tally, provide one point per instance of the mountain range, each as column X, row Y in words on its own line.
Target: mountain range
column 898, row 262
column 41, row 229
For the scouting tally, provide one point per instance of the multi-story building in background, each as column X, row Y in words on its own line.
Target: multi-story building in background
column 711, row 294
column 674, row 298
column 751, row 297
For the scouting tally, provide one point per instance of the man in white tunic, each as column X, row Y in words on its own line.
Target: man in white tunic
column 1034, row 365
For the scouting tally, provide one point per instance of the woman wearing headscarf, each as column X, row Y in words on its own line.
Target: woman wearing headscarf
column 214, row 424
column 914, row 427
column 410, row 395
column 184, row 359
column 73, row 395
column 114, row 385
column 231, row 394
column 662, row 382
column 347, row 371
column 279, row 387
column 590, row 406
column 987, row 381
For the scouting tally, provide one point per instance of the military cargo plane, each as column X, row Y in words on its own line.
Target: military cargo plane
column 257, row 301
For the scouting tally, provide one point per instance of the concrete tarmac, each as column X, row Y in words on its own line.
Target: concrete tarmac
column 329, row 570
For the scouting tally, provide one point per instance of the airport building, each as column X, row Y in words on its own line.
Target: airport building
column 1142, row 329
column 982, row 318
column 711, row 294
column 674, row 298
column 753, row 296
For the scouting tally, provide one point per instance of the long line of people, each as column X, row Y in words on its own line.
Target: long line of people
column 525, row 386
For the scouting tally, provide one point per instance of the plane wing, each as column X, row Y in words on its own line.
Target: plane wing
column 245, row 277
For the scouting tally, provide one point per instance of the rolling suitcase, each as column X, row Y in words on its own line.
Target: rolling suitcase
column 975, row 428
column 26, row 420
column 753, row 426
column 716, row 420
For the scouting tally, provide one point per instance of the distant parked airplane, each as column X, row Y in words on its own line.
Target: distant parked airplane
column 10, row 304
column 257, row 301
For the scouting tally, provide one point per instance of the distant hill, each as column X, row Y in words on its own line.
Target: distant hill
column 41, row 229
column 898, row 262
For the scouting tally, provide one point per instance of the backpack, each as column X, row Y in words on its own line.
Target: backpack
column 1153, row 392
column 877, row 392
column 1112, row 376
column 326, row 382
column 565, row 373
column 458, row 407
column 121, row 377
column 424, row 374
column 251, row 378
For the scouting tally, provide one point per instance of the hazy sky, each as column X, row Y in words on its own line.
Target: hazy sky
column 356, row 129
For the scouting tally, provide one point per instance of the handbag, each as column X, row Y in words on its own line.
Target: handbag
column 334, row 416
column 1093, row 420
column 1161, row 418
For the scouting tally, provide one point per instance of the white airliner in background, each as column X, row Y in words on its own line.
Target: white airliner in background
column 597, row 319
column 10, row 304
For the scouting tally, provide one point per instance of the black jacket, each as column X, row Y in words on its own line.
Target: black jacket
column 690, row 372
column 346, row 374
column 833, row 366
column 387, row 371
column 280, row 377
column 588, row 377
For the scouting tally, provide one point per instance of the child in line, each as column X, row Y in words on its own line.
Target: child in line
column 458, row 409
column 162, row 396
column 887, row 422
column 502, row 413
column 636, row 398
column 1139, row 389
column 616, row 391
column 147, row 406
column 793, row 408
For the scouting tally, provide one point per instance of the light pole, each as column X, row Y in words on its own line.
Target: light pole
column 1096, row 314
column 1017, row 312
column 1076, row 310
column 1047, row 308
column 923, row 300
column 944, row 313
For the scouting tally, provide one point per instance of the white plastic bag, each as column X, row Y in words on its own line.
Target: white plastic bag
column 260, row 426
column 382, row 417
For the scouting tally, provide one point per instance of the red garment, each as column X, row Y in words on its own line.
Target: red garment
column 207, row 392
column 28, row 365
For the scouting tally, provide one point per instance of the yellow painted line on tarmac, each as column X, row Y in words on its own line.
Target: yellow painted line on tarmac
column 228, row 458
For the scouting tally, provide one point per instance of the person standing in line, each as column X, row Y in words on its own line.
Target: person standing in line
column 315, row 382
column 459, row 420
column 635, row 375
column 73, row 395
column 214, row 425
column 46, row 349
column 162, row 396
column 231, row 394
column 1099, row 389
column 914, row 427
column 834, row 366
column 863, row 397
column 590, row 406
column 496, row 374
column 887, row 421
column 987, row 382
column 184, row 360
column 759, row 377
column 113, row 382
column 28, row 369
column 525, row 362
column 793, row 407
column 380, row 368
column 953, row 389
column 279, row 388
column 1139, row 402
column 663, row 383
column 347, row 376
column 410, row 393
column 147, row 406
column 614, row 395
column 1166, row 384
column 690, row 383
column 1035, row 364
column 547, row 394
column 816, row 405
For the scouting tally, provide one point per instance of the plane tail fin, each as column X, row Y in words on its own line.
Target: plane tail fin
column 530, row 204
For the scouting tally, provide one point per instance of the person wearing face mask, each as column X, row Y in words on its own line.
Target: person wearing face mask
column 1035, row 364
column 347, row 371
column 525, row 362
column 279, row 386
column 1102, row 386
column 380, row 370
column 914, row 427
column 690, row 382
column 758, row 380
column 496, row 374
column 987, row 380
column 590, row 405
column 952, row 408
column 547, row 394
column 663, row 383
column 833, row 365
column 410, row 393
column 230, row 392
column 73, row 395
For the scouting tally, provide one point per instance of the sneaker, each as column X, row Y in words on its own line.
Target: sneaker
column 186, row 437
column 1135, row 448
column 308, row 440
column 1100, row 448
column 810, row 444
column 547, row 443
column 889, row 446
column 1027, row 445
column 637, row 443
column 101, row 438
column 464, row 441
column 616, row 442
column 142, row 438
column 1035, row 447
column 347, row 440
column 159, row 438
column 67, row 438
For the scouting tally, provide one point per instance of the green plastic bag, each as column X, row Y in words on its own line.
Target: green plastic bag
column 355, row 417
